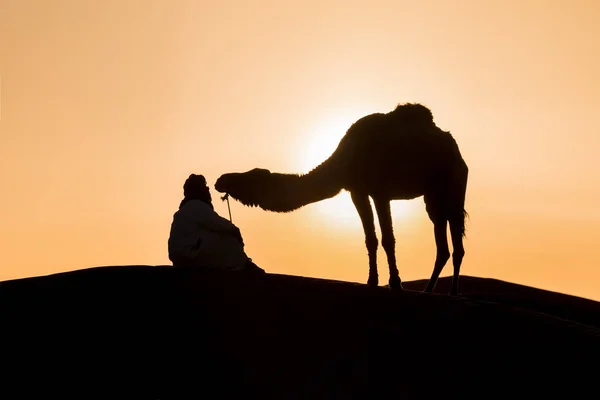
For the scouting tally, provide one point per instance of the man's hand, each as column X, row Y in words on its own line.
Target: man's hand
column 238, row 235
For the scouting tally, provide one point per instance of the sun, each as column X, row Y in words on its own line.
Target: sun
column 322, row 140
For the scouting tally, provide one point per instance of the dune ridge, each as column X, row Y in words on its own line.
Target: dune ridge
column 162, row 332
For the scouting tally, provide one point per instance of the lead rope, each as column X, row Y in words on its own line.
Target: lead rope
column 226, row 198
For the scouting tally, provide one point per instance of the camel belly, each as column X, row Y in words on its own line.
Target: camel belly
column 397, row 186
column 393, row 177
column 400, row 188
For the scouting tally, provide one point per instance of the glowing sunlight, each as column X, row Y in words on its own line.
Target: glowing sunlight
column 108, row 107
column 322, row 142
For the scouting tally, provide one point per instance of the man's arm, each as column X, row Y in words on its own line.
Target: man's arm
column 214, row 222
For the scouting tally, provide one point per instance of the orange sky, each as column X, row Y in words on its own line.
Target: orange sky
column 107, row 106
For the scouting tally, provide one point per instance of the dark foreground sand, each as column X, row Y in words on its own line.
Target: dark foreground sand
column 160, row 332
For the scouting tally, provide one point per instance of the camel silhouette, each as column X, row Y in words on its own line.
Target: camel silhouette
column 398, row 155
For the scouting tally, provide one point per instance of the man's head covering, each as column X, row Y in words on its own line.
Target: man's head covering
column 195, row 188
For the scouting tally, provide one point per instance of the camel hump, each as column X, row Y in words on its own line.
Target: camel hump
column 413, row 113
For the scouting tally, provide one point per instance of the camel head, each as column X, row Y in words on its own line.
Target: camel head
column 276, row 192
column 249, row 188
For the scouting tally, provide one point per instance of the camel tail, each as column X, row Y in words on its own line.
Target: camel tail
column 461, row 176
column 463, row 229
column 463, row 189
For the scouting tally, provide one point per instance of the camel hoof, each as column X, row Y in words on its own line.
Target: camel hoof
column 395, row 283
column 373, row 282
column 453, row 293
column 427, row 290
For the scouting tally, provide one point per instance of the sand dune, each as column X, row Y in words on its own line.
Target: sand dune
column 161, row 332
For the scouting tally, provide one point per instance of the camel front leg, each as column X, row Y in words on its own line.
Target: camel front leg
column 361, row 202
column 388, row 241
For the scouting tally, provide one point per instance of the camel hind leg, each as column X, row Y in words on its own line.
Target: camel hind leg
column 443, row 253
column 457, row 221
column 457, row 232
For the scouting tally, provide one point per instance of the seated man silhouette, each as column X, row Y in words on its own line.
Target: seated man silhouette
column 201, row 238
